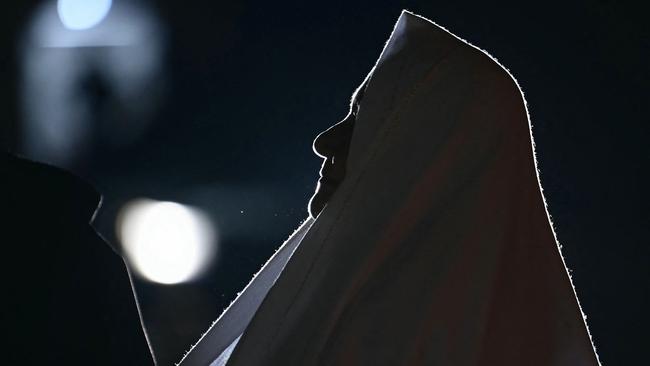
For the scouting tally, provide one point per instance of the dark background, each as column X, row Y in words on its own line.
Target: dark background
column 248, row 85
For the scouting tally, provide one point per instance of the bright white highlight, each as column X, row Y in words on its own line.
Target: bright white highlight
column 166, row 242
column 82, row 14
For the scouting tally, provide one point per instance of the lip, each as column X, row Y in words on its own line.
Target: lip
column 324, row 172
column 327, row 172
column 327, row 181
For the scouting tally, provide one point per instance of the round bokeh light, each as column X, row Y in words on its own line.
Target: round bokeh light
column 82, row 14
column 166, row 242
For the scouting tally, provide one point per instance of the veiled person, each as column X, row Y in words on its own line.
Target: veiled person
column 429, row 241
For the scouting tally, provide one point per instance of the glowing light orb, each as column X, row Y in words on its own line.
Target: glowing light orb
column 82, row 14
column 165, row 242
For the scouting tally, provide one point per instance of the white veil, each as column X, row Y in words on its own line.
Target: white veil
column 436, row 249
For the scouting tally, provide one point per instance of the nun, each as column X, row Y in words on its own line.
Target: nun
column 428, row 241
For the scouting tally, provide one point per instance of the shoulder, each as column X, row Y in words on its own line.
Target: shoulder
column 42, row 188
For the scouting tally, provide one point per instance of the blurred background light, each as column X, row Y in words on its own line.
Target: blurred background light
column 166, row 242
column 89, row 94
column 82, row 14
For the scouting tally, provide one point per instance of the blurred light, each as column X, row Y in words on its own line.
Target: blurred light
column 82, row 14
column 166, row 242
column 85, row 93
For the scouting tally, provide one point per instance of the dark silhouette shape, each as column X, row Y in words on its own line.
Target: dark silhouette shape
column 429, row 242
column 67, row 297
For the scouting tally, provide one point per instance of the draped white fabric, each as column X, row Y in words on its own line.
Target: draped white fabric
column 436, row 249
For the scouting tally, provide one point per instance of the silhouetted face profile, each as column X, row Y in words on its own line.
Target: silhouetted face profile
column 333, row 146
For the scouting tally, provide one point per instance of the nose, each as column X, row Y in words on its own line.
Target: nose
column 329, row 142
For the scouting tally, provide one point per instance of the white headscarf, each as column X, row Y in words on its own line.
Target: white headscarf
column 436, row 249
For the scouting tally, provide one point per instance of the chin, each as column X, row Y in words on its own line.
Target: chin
column 319, row 200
